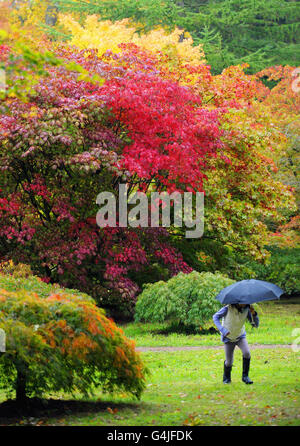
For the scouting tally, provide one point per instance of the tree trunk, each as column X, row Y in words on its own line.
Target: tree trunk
column 21, row 388
column 51, row 15
column 181, row 4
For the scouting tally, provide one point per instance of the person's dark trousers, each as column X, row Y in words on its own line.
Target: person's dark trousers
column 229, row 354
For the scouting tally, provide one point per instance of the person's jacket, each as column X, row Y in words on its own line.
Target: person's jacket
column 232, row 328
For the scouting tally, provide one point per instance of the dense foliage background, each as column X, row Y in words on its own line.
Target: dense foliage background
column 261, row 33
column 159, row 96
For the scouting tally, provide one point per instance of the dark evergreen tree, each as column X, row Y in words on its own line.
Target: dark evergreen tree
column 262, row 33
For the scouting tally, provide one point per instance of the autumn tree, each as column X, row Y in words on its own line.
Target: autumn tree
column 59, row 340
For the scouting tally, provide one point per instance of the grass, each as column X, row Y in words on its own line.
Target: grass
column 185, row 387
column 277, row 322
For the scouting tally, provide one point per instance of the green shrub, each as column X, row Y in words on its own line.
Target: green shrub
column 212, row 255
column 188, row 299
column 203, row 254
column 283, row 269
column 59, row 340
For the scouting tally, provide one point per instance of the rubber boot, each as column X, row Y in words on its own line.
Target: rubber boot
column 227, row 374
column 246, row 367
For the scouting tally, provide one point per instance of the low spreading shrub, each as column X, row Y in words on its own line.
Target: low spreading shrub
column 188, row 299
column 59, row 340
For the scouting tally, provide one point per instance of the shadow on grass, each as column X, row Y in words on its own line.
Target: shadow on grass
column 288, row 299
column 185, row 329
column 11, row 411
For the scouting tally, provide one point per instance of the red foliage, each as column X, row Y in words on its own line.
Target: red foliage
column 73, row 139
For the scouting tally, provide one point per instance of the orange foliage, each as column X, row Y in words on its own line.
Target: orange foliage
column 284, row 98
column 56, row 297
column 4, row 16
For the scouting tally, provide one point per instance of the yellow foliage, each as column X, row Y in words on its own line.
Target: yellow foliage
column 25, row 20
column 17, row 270
column 160, row 40
column 106, row 35
column 101, row 35
column 30, row 13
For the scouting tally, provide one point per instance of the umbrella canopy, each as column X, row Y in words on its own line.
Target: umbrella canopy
column 249, row 292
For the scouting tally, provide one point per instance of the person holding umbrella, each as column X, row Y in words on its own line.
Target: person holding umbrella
column 234, row 334
column 239, row 297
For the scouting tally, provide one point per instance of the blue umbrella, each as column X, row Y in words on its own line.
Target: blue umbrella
column 249, row 292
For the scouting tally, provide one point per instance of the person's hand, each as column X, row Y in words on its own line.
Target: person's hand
column 252, row 310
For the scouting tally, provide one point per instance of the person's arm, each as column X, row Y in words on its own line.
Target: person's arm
column 217, row 317
column 253, row 317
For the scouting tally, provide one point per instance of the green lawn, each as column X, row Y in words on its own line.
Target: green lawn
column 185, row 387
column 277, row 322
